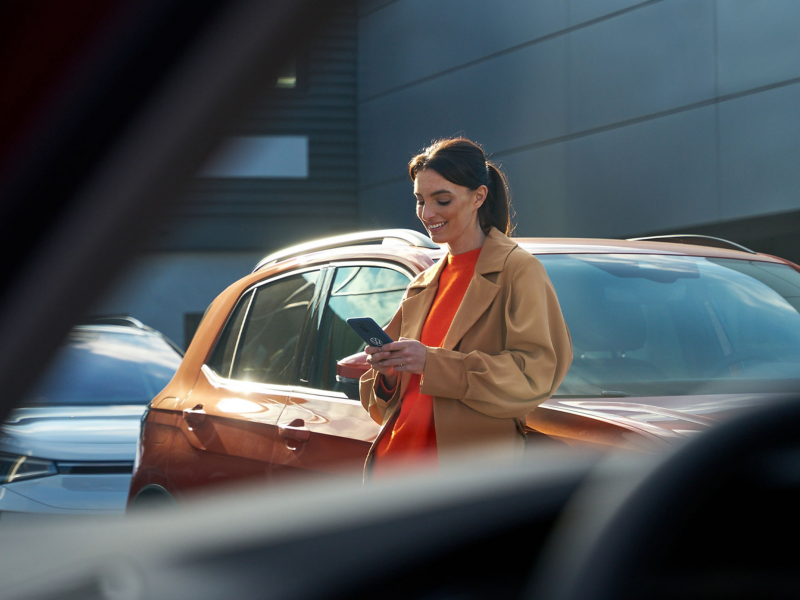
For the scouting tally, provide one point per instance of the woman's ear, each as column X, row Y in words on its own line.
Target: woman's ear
column 480, row 195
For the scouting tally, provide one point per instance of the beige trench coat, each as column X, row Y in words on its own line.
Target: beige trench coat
column 505, row 353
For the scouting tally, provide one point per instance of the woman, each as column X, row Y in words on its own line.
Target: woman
column 481, row 339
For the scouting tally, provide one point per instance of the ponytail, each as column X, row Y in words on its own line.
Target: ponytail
column 496, row 209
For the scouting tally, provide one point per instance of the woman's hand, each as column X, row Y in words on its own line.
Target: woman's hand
column 403, row 355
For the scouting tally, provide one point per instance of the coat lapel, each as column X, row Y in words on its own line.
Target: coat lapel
column 479, row 297
column 481, row 291
column 417, row 306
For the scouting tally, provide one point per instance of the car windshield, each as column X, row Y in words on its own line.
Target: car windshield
column 651, row 325
column 98, row 366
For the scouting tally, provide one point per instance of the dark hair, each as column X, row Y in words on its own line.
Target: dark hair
column 463, row 162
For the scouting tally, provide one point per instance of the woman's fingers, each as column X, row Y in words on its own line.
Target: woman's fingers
column 378, row 357
column 403, row 355
column 410, row 357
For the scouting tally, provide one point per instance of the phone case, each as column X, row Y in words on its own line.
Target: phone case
column 369, row 331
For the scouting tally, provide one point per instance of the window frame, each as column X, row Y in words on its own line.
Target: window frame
column 332, row 268
column 304, row 330
column 310, row 331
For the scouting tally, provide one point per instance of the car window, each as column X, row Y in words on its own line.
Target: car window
column 97, row 367
column 781, row 278
column 358, row 291
column 270, row 336
column 222, row 358
column 658, row 325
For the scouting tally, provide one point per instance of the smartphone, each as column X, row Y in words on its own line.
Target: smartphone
column 369, row 331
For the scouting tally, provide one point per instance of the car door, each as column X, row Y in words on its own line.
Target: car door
column 322, row 430
column 229, row 421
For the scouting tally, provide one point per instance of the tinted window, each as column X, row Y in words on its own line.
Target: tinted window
column 356, row 292
column 222, row 357
column 649, row 325
column 99, row 366
column 267, row 350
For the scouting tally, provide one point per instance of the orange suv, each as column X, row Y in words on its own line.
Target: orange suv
column 670, row 334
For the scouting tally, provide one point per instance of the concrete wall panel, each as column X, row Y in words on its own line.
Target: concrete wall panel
column 605, row 129
column 390, row 205
column 581, row 11
column 483, row 102
column 758, row 44
column 413, row 39
column 263, row 233
column 160, row 288
column 537, row 179
column 642, row 62
column 365, row 7
column 760, row 154
column 651, row 176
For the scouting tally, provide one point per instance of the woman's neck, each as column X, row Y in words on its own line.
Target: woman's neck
column 467, row 243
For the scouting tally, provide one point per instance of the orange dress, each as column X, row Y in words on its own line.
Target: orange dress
column 411, row 435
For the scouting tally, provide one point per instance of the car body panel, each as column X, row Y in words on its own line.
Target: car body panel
column 156, row 437
column 338, row 441
column 68, row 494
column 593, row 432
column 229, row 436
column 674, row 413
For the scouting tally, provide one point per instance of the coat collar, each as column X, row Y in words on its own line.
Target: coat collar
column 480, row 293
column 496, row 249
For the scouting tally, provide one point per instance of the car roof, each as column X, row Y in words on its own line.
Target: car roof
column 116, row 329
column 418, row 257
column 127, row 326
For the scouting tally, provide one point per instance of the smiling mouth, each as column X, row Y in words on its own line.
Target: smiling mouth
column 436, row 227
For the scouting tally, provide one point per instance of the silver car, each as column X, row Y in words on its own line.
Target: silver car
column 70, row 447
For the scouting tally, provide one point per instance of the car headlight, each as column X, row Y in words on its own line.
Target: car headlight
column 16, row 468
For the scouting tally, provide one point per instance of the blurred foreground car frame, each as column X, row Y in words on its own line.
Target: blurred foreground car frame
column 696, row 523
column 321, row 541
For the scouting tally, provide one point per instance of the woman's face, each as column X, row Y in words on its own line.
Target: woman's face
column 449, row 211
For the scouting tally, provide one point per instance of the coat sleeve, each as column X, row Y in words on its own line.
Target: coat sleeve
column 536, row 356
column 368, row 385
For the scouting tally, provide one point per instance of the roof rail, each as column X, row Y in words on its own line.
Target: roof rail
column 124, row 320
column 694, row 239
column 408, row 237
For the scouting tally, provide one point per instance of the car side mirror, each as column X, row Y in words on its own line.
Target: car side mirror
column 348, row 372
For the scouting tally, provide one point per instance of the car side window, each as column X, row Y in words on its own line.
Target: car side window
column 222, row 357
column 273, row 328
column 358, row 291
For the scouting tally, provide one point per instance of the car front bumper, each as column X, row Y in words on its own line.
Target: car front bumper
column 79, row 494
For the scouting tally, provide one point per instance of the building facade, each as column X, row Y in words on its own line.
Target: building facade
column 288, row 173
column 612, row 118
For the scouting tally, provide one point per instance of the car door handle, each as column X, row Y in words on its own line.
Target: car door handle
column 296, row 430
column 195, row 415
